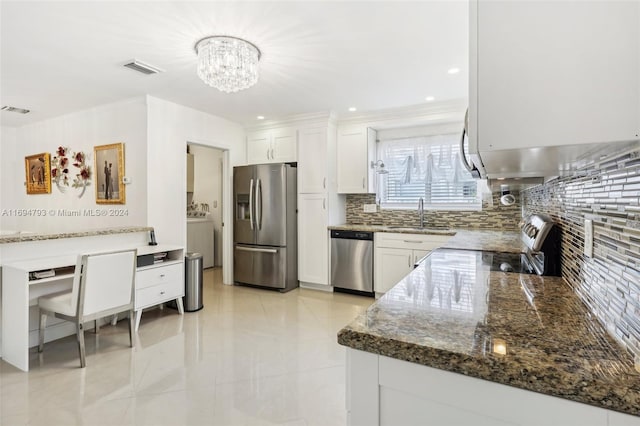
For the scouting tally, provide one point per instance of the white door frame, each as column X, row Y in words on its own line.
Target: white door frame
column 227, row 211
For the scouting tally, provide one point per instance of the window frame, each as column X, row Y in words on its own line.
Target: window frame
column 425, row 131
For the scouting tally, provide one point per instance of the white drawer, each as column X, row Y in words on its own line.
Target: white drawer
column 159, row 275
column 410, row 241
column 156, row 294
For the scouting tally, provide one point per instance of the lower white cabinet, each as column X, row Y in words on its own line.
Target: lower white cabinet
column 396, row 254
column 313, row 239
column 387, row 391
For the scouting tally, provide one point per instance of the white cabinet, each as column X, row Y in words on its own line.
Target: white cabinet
column 313, row 239
column 553, row 73
column 312, row 160
column 272, row 146
column 355, row 151
column 396, row 254
column 388, row 391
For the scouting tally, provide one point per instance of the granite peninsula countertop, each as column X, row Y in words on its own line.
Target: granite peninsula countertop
column 525, row 331
column 465, row 239
column 39, row 236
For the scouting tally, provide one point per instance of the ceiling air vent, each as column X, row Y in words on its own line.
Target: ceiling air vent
column 14, row 109
column 142, row 67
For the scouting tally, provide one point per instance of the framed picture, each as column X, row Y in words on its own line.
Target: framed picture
column 38, row 172
column 109, row 171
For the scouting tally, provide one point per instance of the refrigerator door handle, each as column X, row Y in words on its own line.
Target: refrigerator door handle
column 251, row 203
column 258, row 205
column 259, row 250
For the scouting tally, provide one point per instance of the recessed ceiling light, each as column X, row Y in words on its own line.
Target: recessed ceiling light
column 260, row 117
column 453, row 70
column 352, row 109
column 15, row 109
column 429, row 98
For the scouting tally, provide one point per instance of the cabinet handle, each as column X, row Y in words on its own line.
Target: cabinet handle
column 324, row 183
column 272, row 153
column 412, row 241
column 267, row 153
column 324, row 204
column 161, row 275
column 363, row 183
column 409, row 261
column 161, row 293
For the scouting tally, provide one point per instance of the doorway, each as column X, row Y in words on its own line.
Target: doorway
column 205, row 202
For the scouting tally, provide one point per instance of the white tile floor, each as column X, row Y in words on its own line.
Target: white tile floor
column 250, row 357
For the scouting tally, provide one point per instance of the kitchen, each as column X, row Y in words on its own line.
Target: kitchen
column 591, row 189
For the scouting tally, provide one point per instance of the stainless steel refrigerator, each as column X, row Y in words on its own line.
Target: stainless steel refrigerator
column 265, row 226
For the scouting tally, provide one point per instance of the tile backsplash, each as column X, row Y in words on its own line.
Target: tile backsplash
column 491, row 217
column 609, row 282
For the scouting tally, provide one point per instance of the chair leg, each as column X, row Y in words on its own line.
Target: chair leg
column 131, row 327
column 80, row 330
column 43, row 324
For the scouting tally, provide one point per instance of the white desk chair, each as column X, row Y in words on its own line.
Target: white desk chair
column 103, row 285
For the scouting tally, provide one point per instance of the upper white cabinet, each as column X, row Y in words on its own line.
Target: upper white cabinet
column 272, row 146
column 355, row 151
column 553, row 73
column 312, row 160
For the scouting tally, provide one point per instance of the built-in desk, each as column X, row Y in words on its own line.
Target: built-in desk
column 156, row 283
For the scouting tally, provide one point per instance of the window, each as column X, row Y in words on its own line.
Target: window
column 426, row 167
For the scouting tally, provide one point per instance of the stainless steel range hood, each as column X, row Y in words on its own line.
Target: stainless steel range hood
column 532, row 165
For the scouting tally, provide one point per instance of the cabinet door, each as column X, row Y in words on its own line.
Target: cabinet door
column 258, row 148
column 312, row 161
column 313, row 239
column 568, row 73
column 391, row 265
column 353, row 161
column 283, row 145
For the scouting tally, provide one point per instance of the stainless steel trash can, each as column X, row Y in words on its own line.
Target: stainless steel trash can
column 193, row 282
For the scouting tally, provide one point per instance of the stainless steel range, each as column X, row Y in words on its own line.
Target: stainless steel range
column 542, row 257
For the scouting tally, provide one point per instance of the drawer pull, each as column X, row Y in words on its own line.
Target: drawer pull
column 412, row 241
column 161, row 293
column 161, row 275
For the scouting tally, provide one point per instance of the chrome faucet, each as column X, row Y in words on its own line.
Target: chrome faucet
column 421, row 211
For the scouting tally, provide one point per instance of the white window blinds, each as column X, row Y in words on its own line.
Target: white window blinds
column 426, row 167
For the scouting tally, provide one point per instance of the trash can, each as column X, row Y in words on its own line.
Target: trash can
column 193, row 282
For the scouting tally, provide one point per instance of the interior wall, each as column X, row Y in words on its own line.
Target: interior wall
column 608, row 193
column 208, row 189
column 9, row 177
column 60, row 211
column 170, row 127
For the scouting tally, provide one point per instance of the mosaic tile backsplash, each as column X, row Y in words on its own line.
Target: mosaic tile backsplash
column 608, row 283
column 491, row 217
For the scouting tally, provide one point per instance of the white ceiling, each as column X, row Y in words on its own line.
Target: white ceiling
column 60, row 57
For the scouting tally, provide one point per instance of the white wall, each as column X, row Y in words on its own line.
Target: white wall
column 11, row 177
column 208, row 189
column 170, row 128
column 123, row 121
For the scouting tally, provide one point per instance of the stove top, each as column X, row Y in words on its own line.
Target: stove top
column 508, row 262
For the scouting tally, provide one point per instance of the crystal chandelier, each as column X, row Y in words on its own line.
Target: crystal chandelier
column 229, row 64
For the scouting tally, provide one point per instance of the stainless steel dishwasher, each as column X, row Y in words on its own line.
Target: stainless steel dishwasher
column 352, row 261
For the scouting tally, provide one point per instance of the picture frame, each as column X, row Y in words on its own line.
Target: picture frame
column 108, row 172
column 38, row 173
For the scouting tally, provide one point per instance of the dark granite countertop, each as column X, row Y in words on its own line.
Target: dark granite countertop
column 525, row 331
column 466, row 239
column 39, row 236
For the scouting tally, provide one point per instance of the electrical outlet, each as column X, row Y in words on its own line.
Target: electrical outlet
column 588, row 238
column 370, row 208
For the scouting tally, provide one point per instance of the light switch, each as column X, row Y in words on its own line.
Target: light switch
column 588, row 238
